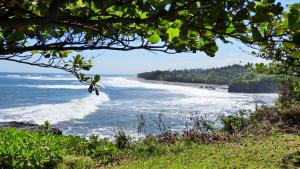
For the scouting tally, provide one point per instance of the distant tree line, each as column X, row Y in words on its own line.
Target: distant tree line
column 253, row 83
column 220, row 76
column 238, row 77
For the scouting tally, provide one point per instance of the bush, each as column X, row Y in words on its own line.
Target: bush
column 45, row 128
column 292, row 160
column 291, row 116
column 150, row 146
column 73, row 145
column 289, row 90
column 122, row 140
column 35, row 149
column 23, row 149
column 233, row 123
column 73, row 162
column 102, row 150
column 287, row 116
column 265, row 114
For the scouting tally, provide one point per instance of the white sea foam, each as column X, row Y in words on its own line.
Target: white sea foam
column 56, row 86
column 186, row 90
column 31, row 77
column 193, row 98
column 180, row 102
column 75, row 109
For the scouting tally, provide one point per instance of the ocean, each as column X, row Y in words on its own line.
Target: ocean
column 66, row 103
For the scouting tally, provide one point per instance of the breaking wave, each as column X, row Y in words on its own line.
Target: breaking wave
column 75, row 109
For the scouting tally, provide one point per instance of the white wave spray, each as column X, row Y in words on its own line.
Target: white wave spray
column 75, row 109
column 194, row 97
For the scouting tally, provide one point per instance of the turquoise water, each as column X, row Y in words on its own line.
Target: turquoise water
column 66, row 103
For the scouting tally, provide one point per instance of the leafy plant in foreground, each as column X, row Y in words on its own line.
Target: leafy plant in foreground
column 25, row 150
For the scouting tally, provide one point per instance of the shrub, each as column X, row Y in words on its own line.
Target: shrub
column 102, row 150
column 196, row 136
column 148, row 147
column 202, row 124
column 168, row 137
column 45, row 128
column 291, row 116
column 74, row 162
column 74, row 145
column 35, row 149
column 289, row 90
column 233, row 123
column 265, row 114
column 122, row 140
column 153, row 146
column 22, row 149
column 292, row 160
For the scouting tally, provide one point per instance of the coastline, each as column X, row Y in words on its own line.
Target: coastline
column 197, row 85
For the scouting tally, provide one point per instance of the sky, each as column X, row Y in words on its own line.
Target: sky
column 136, row 61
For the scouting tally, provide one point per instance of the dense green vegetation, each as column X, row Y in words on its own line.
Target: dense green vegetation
column 239, row 78
column 21, row 149
column 220, row 76
column 253, row 83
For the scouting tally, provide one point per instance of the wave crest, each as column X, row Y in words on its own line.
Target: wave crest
column 75, row 109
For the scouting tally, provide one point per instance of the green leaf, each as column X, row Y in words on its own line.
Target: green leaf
column 256, row 34
column 230, row 28
column 94, row 7
column 241, row 15
column 293, row 16
column 79, row 3
column 296, row 55
column 210, row 48
column 254, row 53
column 47, row 55
column 64, row 54
column 173, row 33
column 240, row 27
column 143, row 15
column 154, row 38
column 35, row 52
column 77, row 59
column 97, row 78
column 296, row 38
column 289, row 45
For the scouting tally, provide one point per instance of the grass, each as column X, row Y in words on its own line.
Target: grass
column 248, row 152
column 27, row 149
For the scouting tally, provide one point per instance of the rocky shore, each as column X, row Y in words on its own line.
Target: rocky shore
column 27, row 126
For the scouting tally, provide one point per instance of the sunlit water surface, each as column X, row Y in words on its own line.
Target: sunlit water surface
column 66, row 103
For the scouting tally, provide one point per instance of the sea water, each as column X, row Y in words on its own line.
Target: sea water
column 66, row 103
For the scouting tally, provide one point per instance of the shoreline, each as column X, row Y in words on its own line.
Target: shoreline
column 198, row 85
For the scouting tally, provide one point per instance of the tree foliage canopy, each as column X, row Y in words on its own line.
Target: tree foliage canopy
column 216, row 76
column 50, row 33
